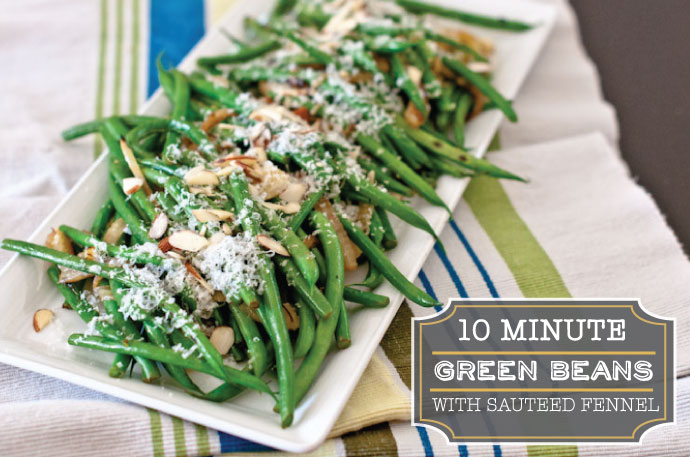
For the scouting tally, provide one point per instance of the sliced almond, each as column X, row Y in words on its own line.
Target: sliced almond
column 479, row 67
column 96, row 281
column 207, row 215
column 204, row 190
column 201, row 177
column 245, row 159
column 215, row 118
column 198, row 277
column 131, row 185
column 159, row 226
column 413, row 116
column 272, row 245
column 164, row 244
column 59, row 241
column 104, row 292
column 259, row 153
column 415, row 74
column 187, row 240
column 42, row 317
column 222, row 338
column 69, row 276
column 310, row 240
column 288, row 208
column 133, row 164
column 115, row 230
column 294, row 192
column 291, row 316
column 227, row 229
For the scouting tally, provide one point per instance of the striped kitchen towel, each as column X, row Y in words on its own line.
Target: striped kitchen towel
column 580, row 228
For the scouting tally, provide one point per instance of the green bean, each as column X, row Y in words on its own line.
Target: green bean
column 463, row 107
column 406, row 146
column 303, row 258
column 374, row 277
column 80, row 130
column 431, row 83
column 386, row 201
column 445, row 107
column 407, row 174
column 69, row 261
column 385, row 266
column 112, row 306
column 457, row 45
column 312, row 15
column 483, row 85
column 445, row 149
column 135, row 224
column 271, row 307
column 153, row 352
column 419, row 7
column 157, row 337
column 124, row 252
column 403, row 81
column 384, row 178
column 364, row 298
column 258, row 359
column 119, row 170
column 305, row 335
column 334, row 292
column 103, row 216
column 389, row 241
column 309, row 295
column 119, row 366
column 243, row 55
column 307, row 205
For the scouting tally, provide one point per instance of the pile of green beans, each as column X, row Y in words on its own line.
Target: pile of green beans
column 296, row 148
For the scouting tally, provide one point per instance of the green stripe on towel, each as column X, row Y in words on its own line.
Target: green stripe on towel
column 532, row 268
column 178, row 437
column 156, row 433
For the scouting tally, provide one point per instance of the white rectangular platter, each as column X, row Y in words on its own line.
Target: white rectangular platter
column 25, row 286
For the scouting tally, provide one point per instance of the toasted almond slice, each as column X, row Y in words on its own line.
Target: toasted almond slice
column 133, row 164
column 215, row 118
column 246, row 159
column 115, row 231
column 198, row 277
column 131, row 185
column 288, row 208
column 479, row 67
column 222, row 338
column 227, row 229
column 42, row 317
column 413, row 116
column 69, row 276
column 415, row 75
column 294, row 192
column 59, row 241
column 159, row 226
column 187, row 240
column 89, row 253
column 310, row 240
column 206, row 215
column 201, row 177
column 260, row 153
column 204, row 190
column 272, row 245
column 291, row 316
column 164, row 244
column 104, row 292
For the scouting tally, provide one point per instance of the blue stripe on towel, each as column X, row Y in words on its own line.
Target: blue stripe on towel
column 475, row 258
column 175, row 27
